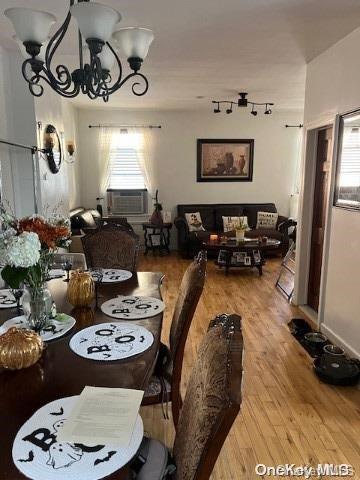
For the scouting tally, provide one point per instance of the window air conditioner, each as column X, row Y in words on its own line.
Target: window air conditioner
column 127, row 202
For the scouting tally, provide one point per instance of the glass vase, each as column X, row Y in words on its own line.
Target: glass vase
column 37, row 304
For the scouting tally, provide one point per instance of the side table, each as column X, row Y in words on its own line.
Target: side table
column 157, row 238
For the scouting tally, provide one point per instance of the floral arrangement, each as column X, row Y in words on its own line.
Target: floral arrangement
column 27, row 246
column 241, row 224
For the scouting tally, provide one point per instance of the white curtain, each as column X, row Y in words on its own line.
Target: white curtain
column 144, row 148
column 105, row 138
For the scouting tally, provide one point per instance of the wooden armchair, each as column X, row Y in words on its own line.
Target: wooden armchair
column 111, row 246
column 165, row 384
column 211, row 404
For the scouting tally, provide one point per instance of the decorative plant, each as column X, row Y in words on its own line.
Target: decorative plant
column 241, row 225
column 27, row 247
column 157, row 205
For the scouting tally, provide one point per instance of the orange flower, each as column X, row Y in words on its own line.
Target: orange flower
column 49, row 234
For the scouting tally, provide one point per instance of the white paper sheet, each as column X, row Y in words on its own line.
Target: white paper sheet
column 103, row 416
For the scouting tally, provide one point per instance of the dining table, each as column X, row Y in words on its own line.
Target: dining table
column 62, row 373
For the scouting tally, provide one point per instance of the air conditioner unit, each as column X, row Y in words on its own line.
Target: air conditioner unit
column 127, row 202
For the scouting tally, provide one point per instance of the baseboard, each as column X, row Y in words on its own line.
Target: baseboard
column 339, row 341
column 311, row 314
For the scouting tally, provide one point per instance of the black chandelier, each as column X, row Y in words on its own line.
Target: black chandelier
column 96, row 23
column 242, row 102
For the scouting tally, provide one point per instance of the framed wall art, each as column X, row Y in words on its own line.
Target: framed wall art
column 225, row 160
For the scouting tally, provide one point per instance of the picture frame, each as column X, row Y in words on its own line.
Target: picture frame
column 256, row 256
column 239, row 257
column 222, row 257
column 225, row 160
column 347, row 180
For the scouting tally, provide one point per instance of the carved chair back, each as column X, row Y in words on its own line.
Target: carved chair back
column 212, row 400
column 111, row 246
column 191, row 288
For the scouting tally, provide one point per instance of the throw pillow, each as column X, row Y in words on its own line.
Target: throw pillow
column 230, row 222
column 194, row 222
column 267, row 220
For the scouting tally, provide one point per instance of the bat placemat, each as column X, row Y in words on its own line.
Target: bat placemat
column 7, row 299
column 132, row 307
column 39, row 456
column 54, row 329
column 115, row 275
column 111, row 341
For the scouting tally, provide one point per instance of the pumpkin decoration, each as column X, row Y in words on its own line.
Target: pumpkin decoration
column 20, row 348
column 81, row 289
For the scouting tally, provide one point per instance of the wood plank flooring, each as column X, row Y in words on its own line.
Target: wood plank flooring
column 287, row 416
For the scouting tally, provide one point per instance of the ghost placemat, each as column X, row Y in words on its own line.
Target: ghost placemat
column 55, row 328
column 132, row 307
column 111, row 341
column 7, row 299
column 39, row 456
column 115, row 275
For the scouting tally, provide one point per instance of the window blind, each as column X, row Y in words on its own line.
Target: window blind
column 350, row 158
column 124, row 167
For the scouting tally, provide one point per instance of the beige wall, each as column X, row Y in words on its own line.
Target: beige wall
column 332, row 88
column 174, row 154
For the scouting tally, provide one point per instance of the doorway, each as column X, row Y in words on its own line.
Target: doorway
column 320, row 196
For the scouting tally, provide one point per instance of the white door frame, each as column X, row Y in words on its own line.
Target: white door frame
column 304, row 229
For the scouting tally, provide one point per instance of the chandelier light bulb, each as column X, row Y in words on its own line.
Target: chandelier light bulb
column 134, row 42
column 30, row 25
column 95, row 21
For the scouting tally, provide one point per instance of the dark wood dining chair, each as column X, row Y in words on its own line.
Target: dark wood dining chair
column 165, row 383
column 111, row 246
column 211, row 404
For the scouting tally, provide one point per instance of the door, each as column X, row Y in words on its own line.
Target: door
column 322, row 182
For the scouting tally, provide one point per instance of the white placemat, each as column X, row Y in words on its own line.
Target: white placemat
column 111, row 341
column 115, row 275
column 55, row 328
column 7, row 299
column 56, row 273
column 132, row 307
column 38, row 455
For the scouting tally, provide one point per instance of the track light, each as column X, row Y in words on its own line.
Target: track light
column 217, row 109
column 268, row 110
column 229, row 110
column 253, row 112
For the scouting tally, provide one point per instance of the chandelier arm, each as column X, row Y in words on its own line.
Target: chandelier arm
column 117, row 61
column 63, row 93
column 119, row 84
column 56, row 39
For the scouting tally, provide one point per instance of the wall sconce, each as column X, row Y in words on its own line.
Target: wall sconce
column 70, row 148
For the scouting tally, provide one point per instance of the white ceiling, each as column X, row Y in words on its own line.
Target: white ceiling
column 216, row 48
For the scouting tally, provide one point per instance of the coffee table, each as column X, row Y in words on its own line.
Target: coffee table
column 248, row 253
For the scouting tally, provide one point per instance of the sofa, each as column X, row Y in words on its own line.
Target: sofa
column 189, row 243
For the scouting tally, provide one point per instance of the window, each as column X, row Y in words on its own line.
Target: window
column 124, row 162
column 347, row 189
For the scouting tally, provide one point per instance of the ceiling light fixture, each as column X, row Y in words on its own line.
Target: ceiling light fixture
column 243, row 102
column 217, row 109
column 96, row 23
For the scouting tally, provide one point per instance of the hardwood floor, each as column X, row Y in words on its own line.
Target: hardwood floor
column 287, row 415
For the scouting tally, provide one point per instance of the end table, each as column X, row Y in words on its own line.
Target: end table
column 157, row 237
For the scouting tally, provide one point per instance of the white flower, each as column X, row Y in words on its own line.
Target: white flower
column 23, row 250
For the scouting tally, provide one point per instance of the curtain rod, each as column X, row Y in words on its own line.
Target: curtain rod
column 124, row 126
column 33, row 149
